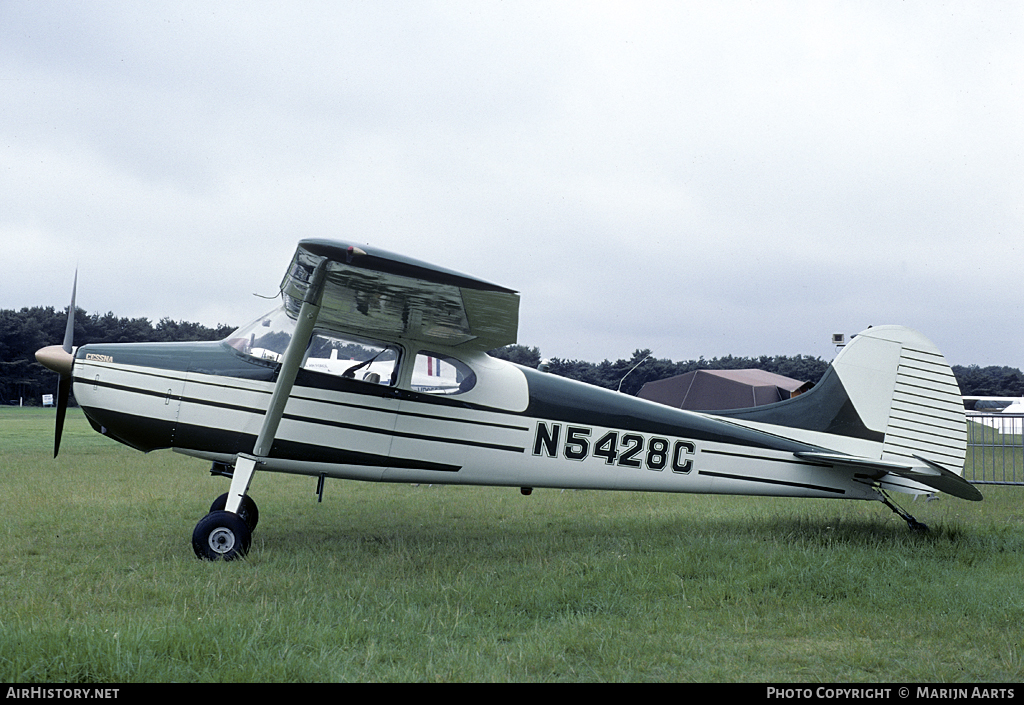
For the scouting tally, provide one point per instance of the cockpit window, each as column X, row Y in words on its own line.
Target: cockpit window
column 434, row 373
column 352, row 358
column 266, row 338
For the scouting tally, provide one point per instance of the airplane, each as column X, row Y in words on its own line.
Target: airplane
column 1005, row 414
column 373, row 366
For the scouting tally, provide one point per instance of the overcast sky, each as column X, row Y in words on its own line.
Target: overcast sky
column 698, row 178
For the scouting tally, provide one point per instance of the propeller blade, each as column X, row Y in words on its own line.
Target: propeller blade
column 69, row 330
column 63, row 392
column 60, row 359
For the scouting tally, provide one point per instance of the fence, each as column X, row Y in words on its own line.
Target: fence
column 995, row 449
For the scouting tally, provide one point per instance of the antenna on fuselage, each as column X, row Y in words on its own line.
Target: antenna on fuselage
column 619, row 389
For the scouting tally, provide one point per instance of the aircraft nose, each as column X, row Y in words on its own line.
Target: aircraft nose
column 56, row 358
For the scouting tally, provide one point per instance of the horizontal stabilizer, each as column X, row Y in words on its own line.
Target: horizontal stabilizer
column 930, row 474
column 945, row 481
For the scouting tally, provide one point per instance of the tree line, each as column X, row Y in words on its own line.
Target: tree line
column 641, row 368
column 25, row 331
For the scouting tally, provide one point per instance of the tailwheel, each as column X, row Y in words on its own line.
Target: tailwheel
column 248, row 510
column 221, row 536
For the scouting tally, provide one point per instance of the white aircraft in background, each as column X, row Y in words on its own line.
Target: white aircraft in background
column 1005, row 414
column 374, row 367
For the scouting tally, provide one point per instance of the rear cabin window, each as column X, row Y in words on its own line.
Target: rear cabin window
column 435, row 373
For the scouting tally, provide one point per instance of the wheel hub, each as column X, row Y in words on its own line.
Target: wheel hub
column 221, row 540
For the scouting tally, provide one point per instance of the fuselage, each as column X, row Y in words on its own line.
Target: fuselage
column 507, row 425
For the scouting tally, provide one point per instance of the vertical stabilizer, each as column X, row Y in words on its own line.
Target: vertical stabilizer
column 896, row 374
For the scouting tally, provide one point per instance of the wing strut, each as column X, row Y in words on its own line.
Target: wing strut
column 247, row 463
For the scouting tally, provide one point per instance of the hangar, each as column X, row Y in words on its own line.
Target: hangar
column 715, row 390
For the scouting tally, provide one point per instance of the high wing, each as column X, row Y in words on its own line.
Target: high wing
column 373, row 292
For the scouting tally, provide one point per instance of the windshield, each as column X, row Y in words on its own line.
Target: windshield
column 266, row 338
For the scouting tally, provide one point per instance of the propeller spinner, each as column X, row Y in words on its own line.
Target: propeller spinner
column 60, row 359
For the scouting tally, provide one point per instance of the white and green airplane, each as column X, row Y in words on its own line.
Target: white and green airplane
column 374, row 367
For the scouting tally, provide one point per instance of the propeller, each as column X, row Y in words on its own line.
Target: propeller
column 60, row 359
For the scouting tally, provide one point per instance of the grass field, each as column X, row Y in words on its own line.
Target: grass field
column 98, row 582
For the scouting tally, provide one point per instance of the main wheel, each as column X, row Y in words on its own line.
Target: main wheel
column 221, row 536
column 248, row 510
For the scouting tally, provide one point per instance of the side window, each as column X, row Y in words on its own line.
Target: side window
column 434, row 373
column 352, row 358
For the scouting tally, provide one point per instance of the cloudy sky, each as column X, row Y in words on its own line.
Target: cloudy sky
column 698, row 178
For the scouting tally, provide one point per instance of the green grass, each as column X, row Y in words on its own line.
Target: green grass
column 98, row 582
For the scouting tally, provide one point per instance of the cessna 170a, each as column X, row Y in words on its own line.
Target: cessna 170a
column 374, row 367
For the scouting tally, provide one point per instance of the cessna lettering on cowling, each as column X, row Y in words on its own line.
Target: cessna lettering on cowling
column 374, row 367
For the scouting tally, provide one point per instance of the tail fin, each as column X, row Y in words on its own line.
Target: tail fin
column 899, row 381
column 890, row 386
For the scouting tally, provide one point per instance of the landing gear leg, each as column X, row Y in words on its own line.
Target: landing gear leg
column 226, row 532
column 245, row 467
column 913, row 523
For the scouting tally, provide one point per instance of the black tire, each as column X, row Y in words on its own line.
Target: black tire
column 221, row 536
column 248, row 510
